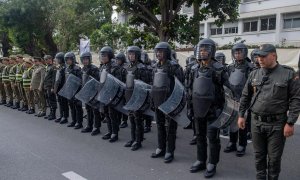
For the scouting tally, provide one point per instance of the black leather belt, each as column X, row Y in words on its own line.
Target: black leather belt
column 269, row 118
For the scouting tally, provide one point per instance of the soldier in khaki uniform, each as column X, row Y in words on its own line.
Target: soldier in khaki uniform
column 6, row 81
column 19, row 73
column 27, row 75
column 36, row 85
column 12, row 78
column 2, row 89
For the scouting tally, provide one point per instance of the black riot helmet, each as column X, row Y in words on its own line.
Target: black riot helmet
column 136, row 50
column 220, row 57
column 121, row 57
column 145, row 58
column 254, row 55
column 107, row 50
column 86, row 55
column 70, row 55
column 239, row 48
column 60, row 58
column 166, row 49
column 190, row 59
column 209, row 45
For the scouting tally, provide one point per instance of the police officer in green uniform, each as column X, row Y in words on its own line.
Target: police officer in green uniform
column 269, row 93
column 2, row 89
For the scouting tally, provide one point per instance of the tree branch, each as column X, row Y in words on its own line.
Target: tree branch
column 172, row 16
column 150, row 14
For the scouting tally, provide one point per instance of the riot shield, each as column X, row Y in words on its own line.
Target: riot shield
column 160, row 88
column 140, row 100
column 175, row 104
column 89, row 91
column 237, row 82
column 112, row 91
column 229, row 112
column 70, row 87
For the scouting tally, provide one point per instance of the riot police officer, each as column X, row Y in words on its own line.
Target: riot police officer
column 112, row 116
column 59, row 82
column 121, row 63
column 74, row 104
column 238, row 73
column 254, row 58
column 93, row 114
column 221, row 58
column 163, row 84
column 147, row 62
column 48, row 86
column 206, row 83
column 190, row 62
column 135, row 70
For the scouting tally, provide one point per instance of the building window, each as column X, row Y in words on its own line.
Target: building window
column 291, row 23
column 268, row 24
column 231, row 30
column 215, row 31
column 250, row 26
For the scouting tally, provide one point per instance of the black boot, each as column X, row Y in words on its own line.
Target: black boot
column 72, row 124
column 106, row 136
column 31, row 111
column 63, row 121
column 9, row 104
column 158, row 153
column 230, row 147
column 241, row 150
column 95, row 131
column 113, row 138
column 135, row 146
column 16, row 106
column 25, row 108
column 52, row 115
column 128, row 144
column 78, row 126
column 169, row 157
column 210, row 170
column 87, row 129
column 2, row 102
column 198, row 166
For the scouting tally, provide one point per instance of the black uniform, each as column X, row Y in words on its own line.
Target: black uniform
column 74, row 104
column 137, row 70
column 48, row 85
column 163, row 84
column 238, row 73
column 206, row 83
column 93, row 115
column 270, row 93
column 59, row 83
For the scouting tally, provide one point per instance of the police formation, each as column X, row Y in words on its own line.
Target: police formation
column 209, row 96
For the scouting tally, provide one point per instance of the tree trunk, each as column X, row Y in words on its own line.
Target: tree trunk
column 5, row 44
column 52, row 47
column 196, row 28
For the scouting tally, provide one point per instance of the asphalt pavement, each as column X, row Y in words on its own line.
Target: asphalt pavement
column 33, row 148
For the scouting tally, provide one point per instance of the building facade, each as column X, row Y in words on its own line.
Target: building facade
column 260, row 21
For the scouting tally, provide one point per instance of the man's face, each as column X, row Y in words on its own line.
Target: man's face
column 36, row 62
column 238, row 55
column 49, row 61
column 69, row 61
column 5, row 62
column 119, row 62
column 267, row 61
column 27, row 65
column 12, row 61
column 104, row 58
column 19, row 60
column 131, row 56
column 86, row 61
column 160, row 54
column 204, row 53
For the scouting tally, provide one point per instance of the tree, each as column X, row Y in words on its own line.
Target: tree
column 162, row 17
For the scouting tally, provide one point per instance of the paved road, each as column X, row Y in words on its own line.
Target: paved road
column 33, row 148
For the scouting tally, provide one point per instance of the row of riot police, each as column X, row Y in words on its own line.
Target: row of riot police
column 92, row 87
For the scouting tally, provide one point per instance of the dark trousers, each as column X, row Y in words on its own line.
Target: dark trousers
column 204, row 132
column 51, row 99
column 148, row 120
column 76, row 111
column 137, row 129
column 166, row 131
column 113, row 120
column 93, row 117
column 268, row 143
column 63, row 106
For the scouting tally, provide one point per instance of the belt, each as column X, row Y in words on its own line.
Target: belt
column 269, row 118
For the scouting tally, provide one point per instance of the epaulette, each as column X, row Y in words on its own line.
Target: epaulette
column 288, row 67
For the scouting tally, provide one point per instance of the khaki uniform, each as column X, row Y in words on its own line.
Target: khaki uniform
column 6, row 82
column 27, row 75
column 2, row 89
column 14, row 86
column 37, row 87
column 19, row 73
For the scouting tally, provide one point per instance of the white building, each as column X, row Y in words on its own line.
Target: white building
column 260, row 21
